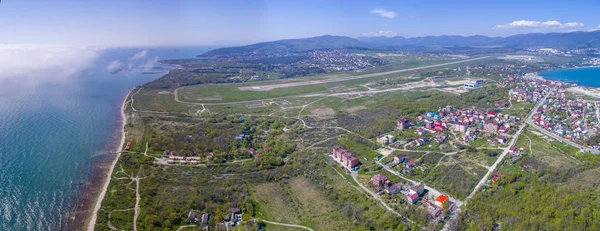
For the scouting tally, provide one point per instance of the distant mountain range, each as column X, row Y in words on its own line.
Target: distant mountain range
column 572, row 40
column 564, row 41
column 325, row 42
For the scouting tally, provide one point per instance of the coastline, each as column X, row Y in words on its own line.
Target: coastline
column 91, row 221
column 582, row 83
column 570, row 68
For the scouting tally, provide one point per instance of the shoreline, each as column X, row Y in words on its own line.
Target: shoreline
column 566, row 69
column 91, row 221
column 566, row 80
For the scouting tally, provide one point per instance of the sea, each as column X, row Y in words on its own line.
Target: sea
column 589, row 76
column 54, row 132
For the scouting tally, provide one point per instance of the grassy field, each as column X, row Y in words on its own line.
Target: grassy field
column 547, row 150
column 158, row 100
column 518, row 109
column 455, row 175
column 231, row 93
column 298, row 201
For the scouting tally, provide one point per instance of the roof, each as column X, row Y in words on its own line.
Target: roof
column 442, row 198
column 379, row 177
column 412, row 196
column 235, row 210
column 491, row 122
column 394, row 187
column 418, row 187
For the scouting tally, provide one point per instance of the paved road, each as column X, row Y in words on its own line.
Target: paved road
column 430, row 189
column 377, row 197
column 506, row 150
column 304, row 83
column 287, row 225
column 559, row 138
column 458, row 203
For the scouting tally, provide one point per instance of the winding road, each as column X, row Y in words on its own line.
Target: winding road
column 377, row 197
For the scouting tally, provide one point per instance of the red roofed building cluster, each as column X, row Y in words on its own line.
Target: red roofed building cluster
column 344, row 157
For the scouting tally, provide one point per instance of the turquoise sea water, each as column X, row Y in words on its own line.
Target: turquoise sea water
column 52, row 135
column 581, row 76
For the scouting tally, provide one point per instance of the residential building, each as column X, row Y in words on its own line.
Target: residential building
column 440, row 200
column 410, row 163
column 403, row 124
column 429, row 124
column 460, row 127
column 345, row 158
column 418, row 189
column 385, row 140
column 393, row 189
column 412, row 197
column 491, row 126
column 379, row 180
column 399, row 158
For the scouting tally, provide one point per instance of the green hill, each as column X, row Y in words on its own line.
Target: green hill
column 291, row 46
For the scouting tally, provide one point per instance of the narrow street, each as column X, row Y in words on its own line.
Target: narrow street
column 287, row 225
column 506, row 150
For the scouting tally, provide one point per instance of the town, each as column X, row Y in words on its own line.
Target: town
column 420, row 147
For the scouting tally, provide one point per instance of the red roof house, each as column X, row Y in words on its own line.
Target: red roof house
column 441, row 200
column 379, row 179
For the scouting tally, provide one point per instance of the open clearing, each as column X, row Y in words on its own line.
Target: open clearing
column 296, row 84
column 297, row 201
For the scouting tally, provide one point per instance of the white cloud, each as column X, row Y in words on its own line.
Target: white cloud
column 22, row 64
column 385, row 33
column 541, row 25
column 139, row 55
column 113, row 66
column 150, row 63
column 384, row 13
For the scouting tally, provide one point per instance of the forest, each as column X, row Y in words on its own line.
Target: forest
column 541, row 199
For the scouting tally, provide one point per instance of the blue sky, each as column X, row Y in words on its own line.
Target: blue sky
column 174, row 22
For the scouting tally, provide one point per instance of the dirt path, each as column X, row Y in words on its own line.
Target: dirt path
column 306, row 105
column 137, row 202
column 110, row 226
column 287, row 225
column 146, row 152
column 185, row 226
column 377, row 197
column 530, row 150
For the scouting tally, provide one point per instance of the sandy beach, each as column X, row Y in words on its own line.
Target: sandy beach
column 94, row 215
column 590, row 91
